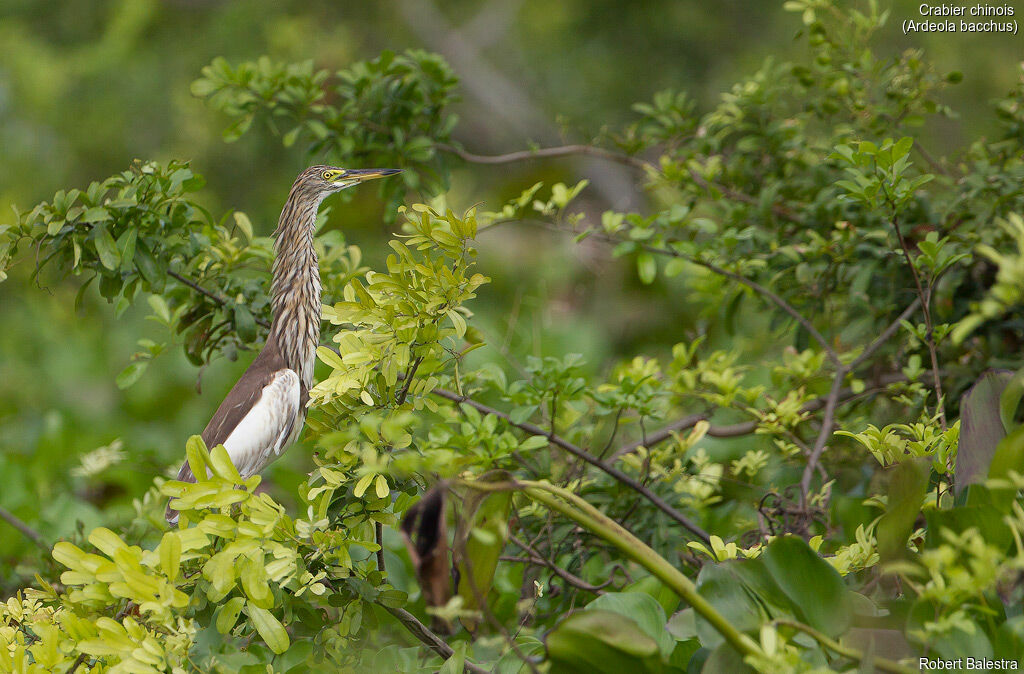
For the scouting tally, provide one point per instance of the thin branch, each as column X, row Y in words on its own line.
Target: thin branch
column 548, row 152
column 736, row 195
column 925, row 296
column 586, row 456
column 827, row 422
column 774, row 298
column 429, row 638
column 761, row 290
column 745, row 427
column 378, row 531
column 886, row 334
column 537, row 558
column 216, row 297
column 25, row 529
column 78, row 661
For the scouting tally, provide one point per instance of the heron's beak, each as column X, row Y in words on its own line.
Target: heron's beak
column 362, row 175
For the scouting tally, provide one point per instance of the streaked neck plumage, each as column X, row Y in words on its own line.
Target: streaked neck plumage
column 296, row 286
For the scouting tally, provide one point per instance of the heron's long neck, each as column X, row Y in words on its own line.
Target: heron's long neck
column 296, row 286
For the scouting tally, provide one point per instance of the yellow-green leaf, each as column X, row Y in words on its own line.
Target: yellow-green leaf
column 362, row 485
column 228, row 615
column 269, row 627
column 222, row 466
column 170, row 554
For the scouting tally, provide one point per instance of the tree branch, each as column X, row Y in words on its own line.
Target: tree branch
column 745, row 427
column 429, row 638
column 548, row 152
column 574, row 580
column 216, row 297
column 586, row 456
column 25, row 529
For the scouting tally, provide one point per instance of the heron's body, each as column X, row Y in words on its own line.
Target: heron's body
column 265, row 410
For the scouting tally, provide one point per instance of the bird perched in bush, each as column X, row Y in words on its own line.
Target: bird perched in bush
column 264, row 412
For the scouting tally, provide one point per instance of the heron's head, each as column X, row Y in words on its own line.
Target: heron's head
column 324, row 180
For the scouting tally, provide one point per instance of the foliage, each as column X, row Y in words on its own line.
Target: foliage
column 848, row 285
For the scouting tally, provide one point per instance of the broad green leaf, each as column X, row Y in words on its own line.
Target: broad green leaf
column 601, row 642
column 106, row 248
column 643, row 609
column 198, row 457
column 981, row 427
column 170, row 554
column 480, row 538
column 813, row 586
column 646, row 267
column 744, row 593
column 270, row 628
column 1008, row 457
column 1009, row 401
column 131, row 373
column 228, row 614
column 907, row 488
column 222, row 466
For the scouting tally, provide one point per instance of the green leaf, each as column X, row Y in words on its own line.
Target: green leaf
column 198, row 457
column 170, row 554
column 480, row 538
column 96, row 214
column 270, row 628
column 812, row 584
column 228, row 615
column 981, row 427
column 1009, row 456
column 131, row 374
column 456, row 662
column 642, row 609
column 106, row 248
column 907, row 488
column 1009, row 401
column 222, row 466
column 601, row 642
column 646, row 267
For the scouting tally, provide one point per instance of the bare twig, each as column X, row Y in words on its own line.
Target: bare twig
column 886, row 335
column 25, row 529
column 537, row 558
column 549, row 152
column 827, row 422
column 764, row 292
column 772, row 297
column 428, row 637
column 586, row 456
column 78, row 661
column 378, row 531
column 924, row 294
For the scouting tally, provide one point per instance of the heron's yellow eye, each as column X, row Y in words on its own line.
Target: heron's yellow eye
column 331, row 176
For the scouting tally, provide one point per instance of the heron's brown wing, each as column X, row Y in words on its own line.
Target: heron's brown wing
column 246, row 392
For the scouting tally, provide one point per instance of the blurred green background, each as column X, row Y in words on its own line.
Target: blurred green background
column 88, row 85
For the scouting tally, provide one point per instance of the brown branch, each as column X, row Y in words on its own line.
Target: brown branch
column 25, row 529
column 886, row 335
column 548, row 152
column 771, row 296
column 216, row 297
column 736, row 195
column 429, row 638
column 827, row 423
column 925, row 296
column 78, row 661
column 581, row 453
column 745, row 427
column 574, row 580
